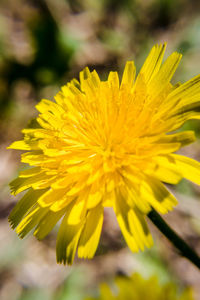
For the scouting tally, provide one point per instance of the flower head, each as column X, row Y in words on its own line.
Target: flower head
column 106, row 144
column 137, row 288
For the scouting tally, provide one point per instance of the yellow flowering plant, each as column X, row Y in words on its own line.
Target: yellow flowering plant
column 106, row 144
column 137, row 288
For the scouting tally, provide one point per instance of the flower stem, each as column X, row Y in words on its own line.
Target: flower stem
column 173, row 237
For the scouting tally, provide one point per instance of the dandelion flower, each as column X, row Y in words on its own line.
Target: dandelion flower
column 137, row 288
column 106, row 144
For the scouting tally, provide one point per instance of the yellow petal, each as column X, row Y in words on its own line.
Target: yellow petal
column 108, row 199
column 153, row 62
column 156, row 149
column 90, row 236
column 139, row 229
column 47, row 223
column 49, row 106
column 183, row 138
column 31, row 220
column 95, row 195
column 94, row 199
column 85, row 74
column 182, row 103
column 34, row 158
column 164, row 173
column 19, row 145
column 20, row 184
column 51, row 196
column 133, row 199
column 30, row 172
column 23, row 206
column 128, row 74
column 163, row 77
column 188, row 167
column 50, row 121
column 113, row 80
column 95, row 78
column 188, row 112
column 78, row 211
column 136, row 217
column 121, row 210
column 183, row 94
column 67, row 240
column 157, row 195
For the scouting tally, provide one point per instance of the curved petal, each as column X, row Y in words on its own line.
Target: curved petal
column 128, row 76
column 183, row 138
column 155, row 193
column 90, row 236
column 139, row 228
column 33, row 217
column 165, row 174
column 164, row 75
column 47, row 223
column 188, row 167
column 153, row 62
column 23, row 206
column 52, row 196
column 121, row 210
column 67, row 240
column 132, row 224
column 21, row 184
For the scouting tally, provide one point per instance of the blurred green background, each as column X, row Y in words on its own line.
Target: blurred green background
column 43, row 44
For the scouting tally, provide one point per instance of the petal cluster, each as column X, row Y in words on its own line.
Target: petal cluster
column 106, row 144
column 135, row 287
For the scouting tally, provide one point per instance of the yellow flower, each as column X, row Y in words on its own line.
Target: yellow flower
column 106, row 144
column 138, row 288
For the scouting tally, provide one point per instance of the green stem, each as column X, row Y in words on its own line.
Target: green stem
column 173, row 237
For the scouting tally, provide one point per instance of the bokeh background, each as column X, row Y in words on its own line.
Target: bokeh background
column 43, row 44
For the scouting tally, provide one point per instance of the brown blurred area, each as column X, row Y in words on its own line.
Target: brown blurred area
column 45, row 43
